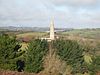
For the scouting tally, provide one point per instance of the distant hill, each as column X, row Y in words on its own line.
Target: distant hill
column 37, row 29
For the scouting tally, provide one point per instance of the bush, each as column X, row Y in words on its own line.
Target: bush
column 71, row 52
column 8, row 52
column 34, row 56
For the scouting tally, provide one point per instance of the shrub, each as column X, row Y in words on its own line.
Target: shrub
column 8, row 52
column 34, row 56
column 71, row 52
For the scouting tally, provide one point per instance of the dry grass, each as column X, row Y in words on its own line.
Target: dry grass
column 54, row 66
column 88, row 59
column 31, row 34
column 2, row 72
column 24, row 45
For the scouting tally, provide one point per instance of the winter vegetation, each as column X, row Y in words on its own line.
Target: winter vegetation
column 60, row 57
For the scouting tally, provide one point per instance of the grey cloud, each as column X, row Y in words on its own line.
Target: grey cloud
column 74, row 2
column 39, row 12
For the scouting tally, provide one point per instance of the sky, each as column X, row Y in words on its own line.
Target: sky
column 39, row 13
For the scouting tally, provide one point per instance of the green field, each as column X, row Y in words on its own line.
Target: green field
column 86, row 33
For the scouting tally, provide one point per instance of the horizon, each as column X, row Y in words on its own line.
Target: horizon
column 49, row 27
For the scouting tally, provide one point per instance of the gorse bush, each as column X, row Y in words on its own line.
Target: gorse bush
column 71, row 52
column 36, row 50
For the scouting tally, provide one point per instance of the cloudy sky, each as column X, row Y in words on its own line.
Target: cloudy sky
column 38, row 13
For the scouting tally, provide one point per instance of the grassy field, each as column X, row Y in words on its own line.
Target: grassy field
column 31, row 34
column 86, row 33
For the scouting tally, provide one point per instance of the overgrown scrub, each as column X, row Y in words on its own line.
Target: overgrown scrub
column 8, row 52
column 35, row 52
column 71, row 52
